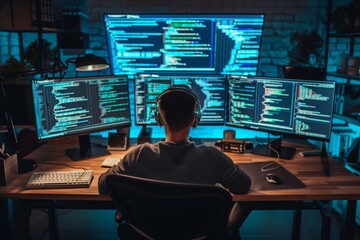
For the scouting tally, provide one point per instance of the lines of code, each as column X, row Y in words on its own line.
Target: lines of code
column 242, row 105
column 297, row 107
column 181, row 43
column 240, row 40
column 313, row 110
column 80, row 105
column 209, row 90
column 275, row 103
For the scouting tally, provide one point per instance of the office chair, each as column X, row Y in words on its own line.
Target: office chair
column 154, row 209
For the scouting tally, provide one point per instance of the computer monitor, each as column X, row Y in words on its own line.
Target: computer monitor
column 210, row 91
column 81, row 106
column 184, row 43
column 286, row 107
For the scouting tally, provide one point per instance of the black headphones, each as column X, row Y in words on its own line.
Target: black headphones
column 179, row 88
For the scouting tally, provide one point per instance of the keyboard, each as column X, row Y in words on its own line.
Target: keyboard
column 60, row 179
column 110, row 162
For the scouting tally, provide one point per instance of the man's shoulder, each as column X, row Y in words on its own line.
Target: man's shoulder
column 140, row 151
column 209, row 148
column 145, row 146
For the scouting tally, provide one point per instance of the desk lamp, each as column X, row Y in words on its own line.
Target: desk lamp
column 89, row 62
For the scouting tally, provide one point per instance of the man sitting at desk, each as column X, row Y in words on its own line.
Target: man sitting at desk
column 177, row 159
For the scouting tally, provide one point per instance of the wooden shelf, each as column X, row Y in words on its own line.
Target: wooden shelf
column 31, row 29
column 24, row 15
column 347, row 119
column 335, row 74
column 345, row 35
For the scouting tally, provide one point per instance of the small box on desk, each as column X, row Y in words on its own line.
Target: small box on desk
column 232, row 145
column 8, row 170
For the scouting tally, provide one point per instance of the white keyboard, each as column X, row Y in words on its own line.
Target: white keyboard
column 110, row 162
column 60, row 179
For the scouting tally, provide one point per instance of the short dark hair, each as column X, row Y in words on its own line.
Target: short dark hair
column 177, row 108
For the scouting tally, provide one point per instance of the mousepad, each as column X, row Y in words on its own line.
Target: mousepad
column 258, row 180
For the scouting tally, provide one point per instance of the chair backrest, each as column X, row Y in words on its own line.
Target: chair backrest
column 170, row 210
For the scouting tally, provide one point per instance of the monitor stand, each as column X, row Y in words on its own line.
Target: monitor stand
column 86, row 150
column 144, row 135
column 265, row 150
column 325, row 160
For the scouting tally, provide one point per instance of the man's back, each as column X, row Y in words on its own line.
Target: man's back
column 182, row 162
column 177, row 159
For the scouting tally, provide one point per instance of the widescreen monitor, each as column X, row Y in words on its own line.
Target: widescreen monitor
column 286, row 107
column 210, row 91
column 184, row 43
column 80, row 106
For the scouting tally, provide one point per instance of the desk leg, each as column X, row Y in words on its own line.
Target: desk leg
column 348, row 220
column 326, row 213
column 21, row 220
column 295, row 235
column 6, row 226
column 53, row 224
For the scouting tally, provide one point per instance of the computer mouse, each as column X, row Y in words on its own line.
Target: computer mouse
column 218, row 143
column 272, row 178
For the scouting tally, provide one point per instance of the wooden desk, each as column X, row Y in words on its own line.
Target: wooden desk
column 341, row 185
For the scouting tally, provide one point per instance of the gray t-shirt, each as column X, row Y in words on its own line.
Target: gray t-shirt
column 181, row 162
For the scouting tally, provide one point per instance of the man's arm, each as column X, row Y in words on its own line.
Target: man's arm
column 124, row 167
column 102, row 179
column 232, row 177
column 236, row 180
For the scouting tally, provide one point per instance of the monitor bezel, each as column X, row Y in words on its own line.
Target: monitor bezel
column 278, row 132
column 181, row 14
column 176, row 75
column 81, row 132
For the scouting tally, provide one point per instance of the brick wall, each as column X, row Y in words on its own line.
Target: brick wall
column 282, row 17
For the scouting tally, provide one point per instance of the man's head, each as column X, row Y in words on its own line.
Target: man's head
column 178, row 108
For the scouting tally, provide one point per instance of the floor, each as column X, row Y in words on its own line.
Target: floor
column 260, row 225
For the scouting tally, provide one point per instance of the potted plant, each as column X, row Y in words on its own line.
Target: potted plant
column 306, row 49
column 306, row 56
column 13, row 66
column 31, row 54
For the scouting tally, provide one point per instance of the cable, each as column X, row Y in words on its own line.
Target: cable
column 266, row 167
column 274, row 150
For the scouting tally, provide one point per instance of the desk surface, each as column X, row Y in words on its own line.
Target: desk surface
column 340, row 185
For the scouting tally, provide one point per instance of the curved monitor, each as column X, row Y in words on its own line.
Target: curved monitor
column 210, row 91
column 187, row 43
column 290, row 107
column 80, row 106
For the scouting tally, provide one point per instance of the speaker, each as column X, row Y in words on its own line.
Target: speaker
column 229, row 134
column 117, row 141
column 73, row 40
column 178, row 88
